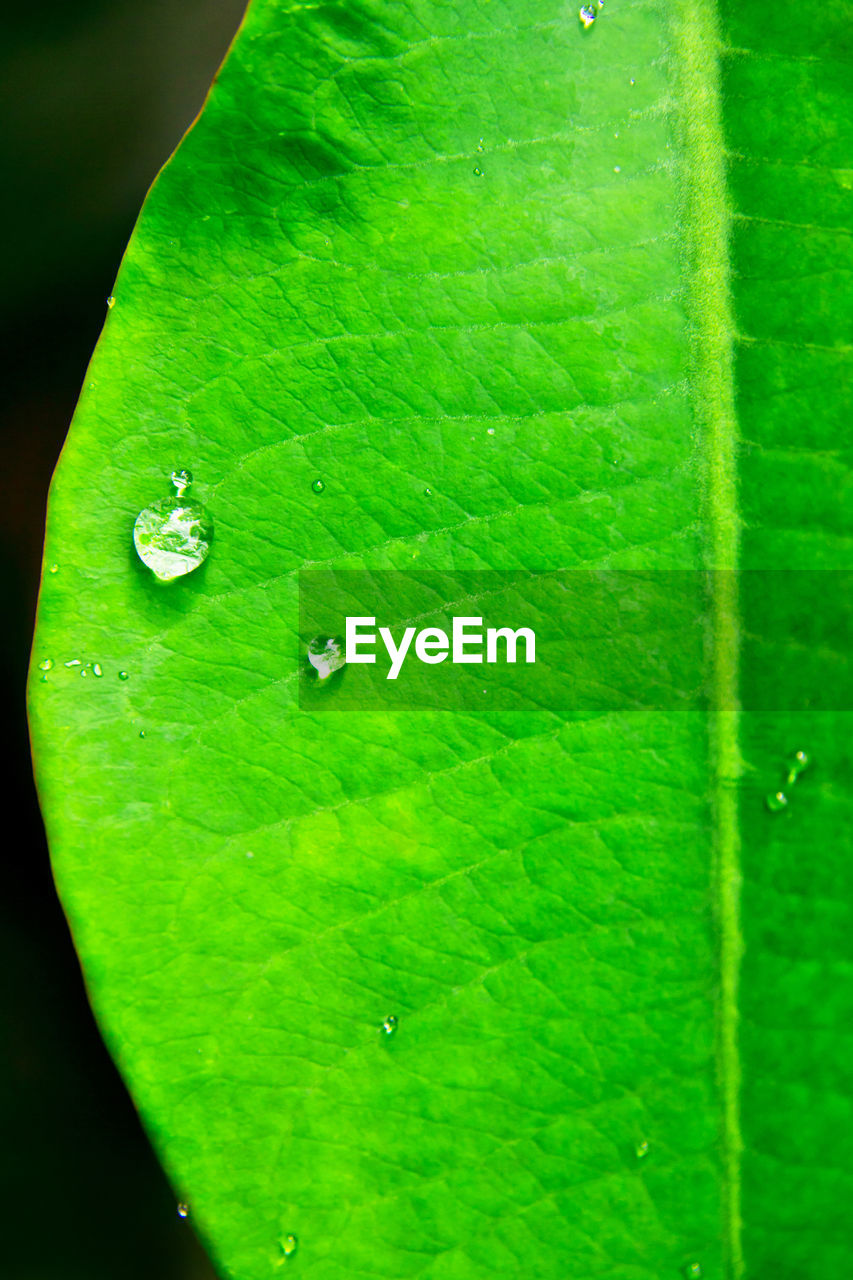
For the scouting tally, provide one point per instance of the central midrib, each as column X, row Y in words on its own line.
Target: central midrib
column 706, row 220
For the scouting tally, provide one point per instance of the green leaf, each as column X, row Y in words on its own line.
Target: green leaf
column 524, row 297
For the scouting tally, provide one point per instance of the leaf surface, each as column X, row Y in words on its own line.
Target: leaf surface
column 524, row 297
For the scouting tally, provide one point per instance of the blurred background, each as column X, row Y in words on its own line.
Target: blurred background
column 94, row 96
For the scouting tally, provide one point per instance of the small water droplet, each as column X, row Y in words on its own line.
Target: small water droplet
column 183, row 1210
column 181, row 481
column 142, row 733
column 776, row 801
column 478, row 173
column 96, row 669
column 641, row 1150
column 326, row 655
column 490, row 431
column 122, row 675
column 617, row 168
column 632, row 82
column 587, row 16
column 46, row 665
column 250, row 854
column 75, row 662
column 173, row 536
column 54, row 568
column 110, row 302
column 481, row 146
column 84, row 671
column 693, row 1271
column 318, row 485
column 427, row 493
column 389, row 1024
column 289, row 1245
column 795, row 765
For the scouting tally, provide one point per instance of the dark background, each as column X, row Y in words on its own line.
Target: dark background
column 94, row 96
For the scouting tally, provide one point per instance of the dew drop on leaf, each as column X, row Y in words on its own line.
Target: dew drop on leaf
column 326, row 655
column 173, row 536
column 587, row 16
column 289, row 1245
column 181, row 481
column 317, row 485
column 54, row 568
column 110, row 302
column 481, row 146
column 75, row 662
column 641, row 1150
column 776, row 801
column 693, row 1271
column 122, row 675
column 97, row 670
column 389, row 1024
column 478, row 173
column 142, row 733
column 795, row 765
column 46, row 665
column 183, row 1210
column 427, row 493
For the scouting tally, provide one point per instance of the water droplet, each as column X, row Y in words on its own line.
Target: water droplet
column 96, row 669
column 75, row 662
column 641, row 1150
column 289, row 1245
column 617, row 168
column 46, row 665
column 84, row 671
column 250, row 854
column 587, row 16
column 795, row 765
column 326, row 655
column 110, row 302
column 693, row 1271
column 389, row 1024
column 142, row 733
column 490, row 431
column 481, row 146
column 632, row 82
column 318, row 485
column 776, row 801
column 183, row 1210
column 427, row 493
column 173, row 536
column 181, row 481
column 478, row 173
column 122, row 675
column 54, row 568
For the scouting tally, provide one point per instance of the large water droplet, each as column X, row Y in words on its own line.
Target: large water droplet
column 587, row 16
column 389, row 1024
column 318, row 485
column 183, row 1210
column 97, row 670
column 47, row 665
column 795, row 765
column 776, row 801
column 326, row 655
column 75, row 662
column 173, row 536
